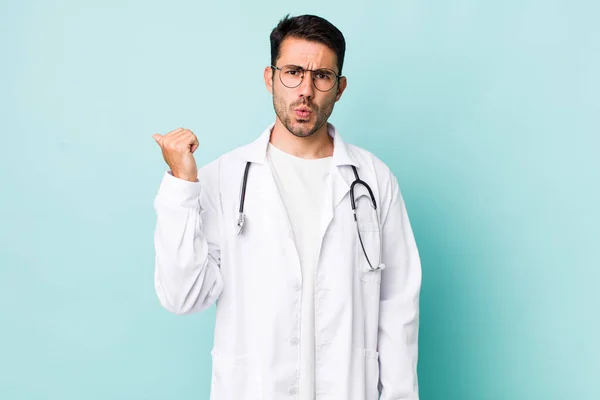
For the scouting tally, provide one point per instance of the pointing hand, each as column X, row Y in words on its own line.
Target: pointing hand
column 177, row 148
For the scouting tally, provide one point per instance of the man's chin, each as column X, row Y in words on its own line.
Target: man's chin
column 304, row 132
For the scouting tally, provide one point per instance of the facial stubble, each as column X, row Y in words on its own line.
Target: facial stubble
column 286, row 115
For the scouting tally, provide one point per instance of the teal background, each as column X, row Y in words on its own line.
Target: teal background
column 488, row 112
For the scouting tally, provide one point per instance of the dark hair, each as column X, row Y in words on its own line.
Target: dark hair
column 311, row 28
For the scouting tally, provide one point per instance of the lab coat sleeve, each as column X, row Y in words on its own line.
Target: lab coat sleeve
column 187, row 276
column 399, row 303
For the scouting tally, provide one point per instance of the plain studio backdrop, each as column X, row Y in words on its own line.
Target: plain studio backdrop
column 486, row 111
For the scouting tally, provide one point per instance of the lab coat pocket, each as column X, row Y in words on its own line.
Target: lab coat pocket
column 234, row 377
column 371, row 375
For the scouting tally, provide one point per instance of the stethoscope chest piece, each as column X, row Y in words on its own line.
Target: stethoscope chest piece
column 240, row 222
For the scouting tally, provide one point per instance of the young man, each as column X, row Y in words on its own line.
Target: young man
column 302, row 240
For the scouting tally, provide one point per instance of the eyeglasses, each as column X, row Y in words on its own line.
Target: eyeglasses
column 291, row 76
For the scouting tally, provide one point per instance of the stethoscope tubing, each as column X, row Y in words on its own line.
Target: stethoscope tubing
column 357, row 181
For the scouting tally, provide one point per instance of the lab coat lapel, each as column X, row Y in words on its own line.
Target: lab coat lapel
column 338, row 185
column 337, row 188
column 256, row 152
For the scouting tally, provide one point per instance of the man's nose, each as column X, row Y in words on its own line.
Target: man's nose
column 307, row 88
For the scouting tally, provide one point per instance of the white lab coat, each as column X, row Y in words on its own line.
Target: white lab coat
column 366, row 322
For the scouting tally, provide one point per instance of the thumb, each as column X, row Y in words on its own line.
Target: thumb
column 157, row 137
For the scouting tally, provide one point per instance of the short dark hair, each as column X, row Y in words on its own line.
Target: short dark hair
column 311, row 28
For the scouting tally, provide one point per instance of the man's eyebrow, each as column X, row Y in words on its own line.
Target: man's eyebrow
column 320, row 69
column 325, row 69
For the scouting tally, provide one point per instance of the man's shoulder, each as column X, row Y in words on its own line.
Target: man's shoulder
column 211, row 170
column 369, row 160
column 375, row 171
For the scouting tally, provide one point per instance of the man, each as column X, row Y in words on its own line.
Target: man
column 316, row 279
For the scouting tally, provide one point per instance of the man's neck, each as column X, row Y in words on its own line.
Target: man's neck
column 317, row 145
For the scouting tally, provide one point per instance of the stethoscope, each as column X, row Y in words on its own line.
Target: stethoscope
column 357, row 181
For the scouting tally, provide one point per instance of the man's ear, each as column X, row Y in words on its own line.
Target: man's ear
column 268, row 74
column 341, row 87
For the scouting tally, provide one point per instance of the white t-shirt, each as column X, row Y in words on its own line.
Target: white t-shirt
column 301, row 183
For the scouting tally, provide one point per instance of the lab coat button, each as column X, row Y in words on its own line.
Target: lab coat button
column 293, row 390
column 297, row 286
column 294, row 341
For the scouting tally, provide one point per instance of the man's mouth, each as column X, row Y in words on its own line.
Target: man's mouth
column 302, row 112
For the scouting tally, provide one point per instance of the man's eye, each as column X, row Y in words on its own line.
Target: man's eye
column 323, row 76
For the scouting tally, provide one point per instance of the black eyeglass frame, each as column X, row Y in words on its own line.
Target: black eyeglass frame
column 337, row 76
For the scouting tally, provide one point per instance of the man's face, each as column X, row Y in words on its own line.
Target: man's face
column 303, row 109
